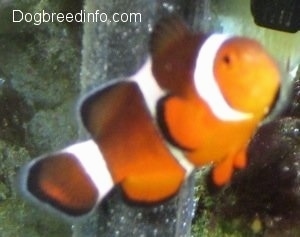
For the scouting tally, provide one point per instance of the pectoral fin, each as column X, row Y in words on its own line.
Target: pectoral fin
column 240, row 160
column 181, row 121
column 222, row 172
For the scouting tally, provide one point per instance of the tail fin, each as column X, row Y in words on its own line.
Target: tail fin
column 71, row 182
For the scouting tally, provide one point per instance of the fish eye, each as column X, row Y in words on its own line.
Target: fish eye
column 226, row 59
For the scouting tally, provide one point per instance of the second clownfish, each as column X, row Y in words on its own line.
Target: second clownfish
column 197, row 100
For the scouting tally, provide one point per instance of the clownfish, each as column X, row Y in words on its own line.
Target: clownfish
column 197, row 100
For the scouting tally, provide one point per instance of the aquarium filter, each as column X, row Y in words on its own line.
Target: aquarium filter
column 283, row 15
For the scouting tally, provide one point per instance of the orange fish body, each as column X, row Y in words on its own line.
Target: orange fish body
column 197, row 100
column 247, row 77
column 131, row 142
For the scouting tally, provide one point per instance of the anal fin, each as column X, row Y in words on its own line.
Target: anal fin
column 153, row 187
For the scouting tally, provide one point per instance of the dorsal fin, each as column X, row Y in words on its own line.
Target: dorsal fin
column 166, row 32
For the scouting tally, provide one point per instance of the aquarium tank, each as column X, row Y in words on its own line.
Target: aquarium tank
column 53, row 55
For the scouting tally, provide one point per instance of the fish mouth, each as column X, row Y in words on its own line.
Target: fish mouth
column 282, row 99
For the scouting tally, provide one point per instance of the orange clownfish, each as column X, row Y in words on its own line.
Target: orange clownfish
column 197, row 100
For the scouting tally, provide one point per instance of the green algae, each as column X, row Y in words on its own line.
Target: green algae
column 40, row 129
column 21, row 220
column 39, row 68
column 214, row 215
